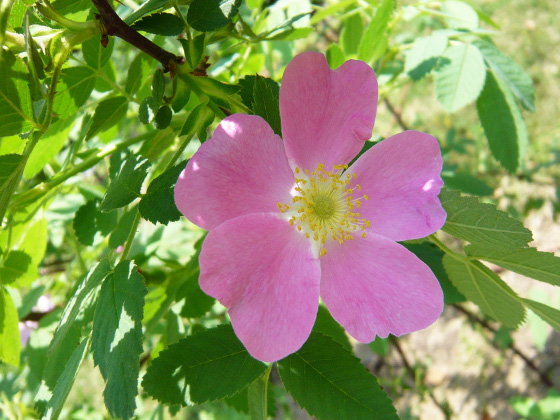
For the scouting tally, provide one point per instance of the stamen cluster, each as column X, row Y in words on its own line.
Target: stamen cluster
column 323, row 206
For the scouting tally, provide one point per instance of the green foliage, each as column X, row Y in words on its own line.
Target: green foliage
column 375, row 36
column 503, row 123
column 108, row 113
column 460, row 80
column 74, row 88
column 126, row 185
column 193, row 49
column 117, row 337
column 209, row 365
column 548, row 314
column 95, row 54
column 348, row 391
column 160, row 24
column 265, row 102
column 482, row 286
column 208, row 15
column 158, row 204
column 481, row 223
column 17, row 266
column 9, row 332
column 425, row 54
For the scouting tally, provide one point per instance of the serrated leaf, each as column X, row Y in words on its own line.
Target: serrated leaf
column 375, row 31
column 163, row 117
column 124, row 226
column 84, row 223
column 126, row 185
column 326, row 324
column 10, row 346
column 147, row 7
column 75, row 305
column 483, row 287
column 9, row 165
column 459, row 15
column 194, row 50
column 266, row 103
column 164, row 24
column 207, row 366
column 335, row 56
column 198, row 122
column 502, row 122
column 95, row 54
column 240, row 401
column 73, row 89
column 461, row 80
column 433, row 258
column 16, row 109
column 329, row 382
column 482, row 224
column 542, row 266
column 15, row 266
column 117, row 337
column 65, row 381
column 147, row 110
column 424, row 55
column 48, row 146
column 548, row 314
column 510, row 72
column 257, row 396
column 466, row 183
column 158, row 204
column 208, row 15
column 107, row 113
column 181, row 95
column 158, row 85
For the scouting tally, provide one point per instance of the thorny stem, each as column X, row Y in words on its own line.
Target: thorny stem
column 114, row 25
column 473, row 318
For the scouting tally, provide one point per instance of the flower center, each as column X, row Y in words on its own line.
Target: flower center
column 323, row 206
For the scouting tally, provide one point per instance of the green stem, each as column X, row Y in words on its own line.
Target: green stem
column 202, row 96
column 40, row 190
column 179, row 151
column 49, row 12
column 258, row 397
column 447, row 250
column 130, row 239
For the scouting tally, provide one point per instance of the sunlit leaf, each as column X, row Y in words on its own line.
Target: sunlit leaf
column 550, row 315
column 107, row 113
column 9, row 332
column 160, row 24
column 207, row 15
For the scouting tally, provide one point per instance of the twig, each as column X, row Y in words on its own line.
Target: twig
column 543, row 377
column 396, row 114
column 114, row 25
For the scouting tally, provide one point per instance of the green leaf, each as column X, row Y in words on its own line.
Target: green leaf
column 10, row 346
column 88, row 221
column 126, row 185
column 76, row 304
column 460, row 81
column 510, row 72
column 482, row 286
column 17, row 265
column 375, row 31
column 181, row 95
column 107, row 113
column 207, row 366
column 16, row 15
column 335, row 56
column 73, row 89
column 198, row 122
column 147, row 7
column 466, row 183
column 164, row 24
column 158, row 85
column 266, row 103
column 194, row 50
column 16, row 109
column 117, row 337
column 147, row 110
column 424, row 55
column 137, row 73
column 548, row 314
column 291, row 34
column 240, row 401
column 163, row 117
column 326, row 324
column 329, row 382
column 95, row 54
column 432, row 256
column 257, row 395
column 542, row 266
column 158, row 204
column 124, row 226
column 9, row 165
column 50, row 144
column 351, row 34
column 208, row 15
column 33, row 240
column 502, row 122
column 482, row 224
column 460, row 15
column 65, row 381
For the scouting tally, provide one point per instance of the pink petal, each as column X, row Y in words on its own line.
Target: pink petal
column 376, row 287
column 401, row 176
column 326, row 114
column 241, row 170
column 263, row 270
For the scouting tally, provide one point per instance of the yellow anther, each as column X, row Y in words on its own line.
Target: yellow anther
column 355, row 176
column 363, row 235
column 359, row 187
column 366, row 197
column 297, row 170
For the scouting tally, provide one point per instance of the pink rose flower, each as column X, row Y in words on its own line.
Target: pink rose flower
column 289, row 222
